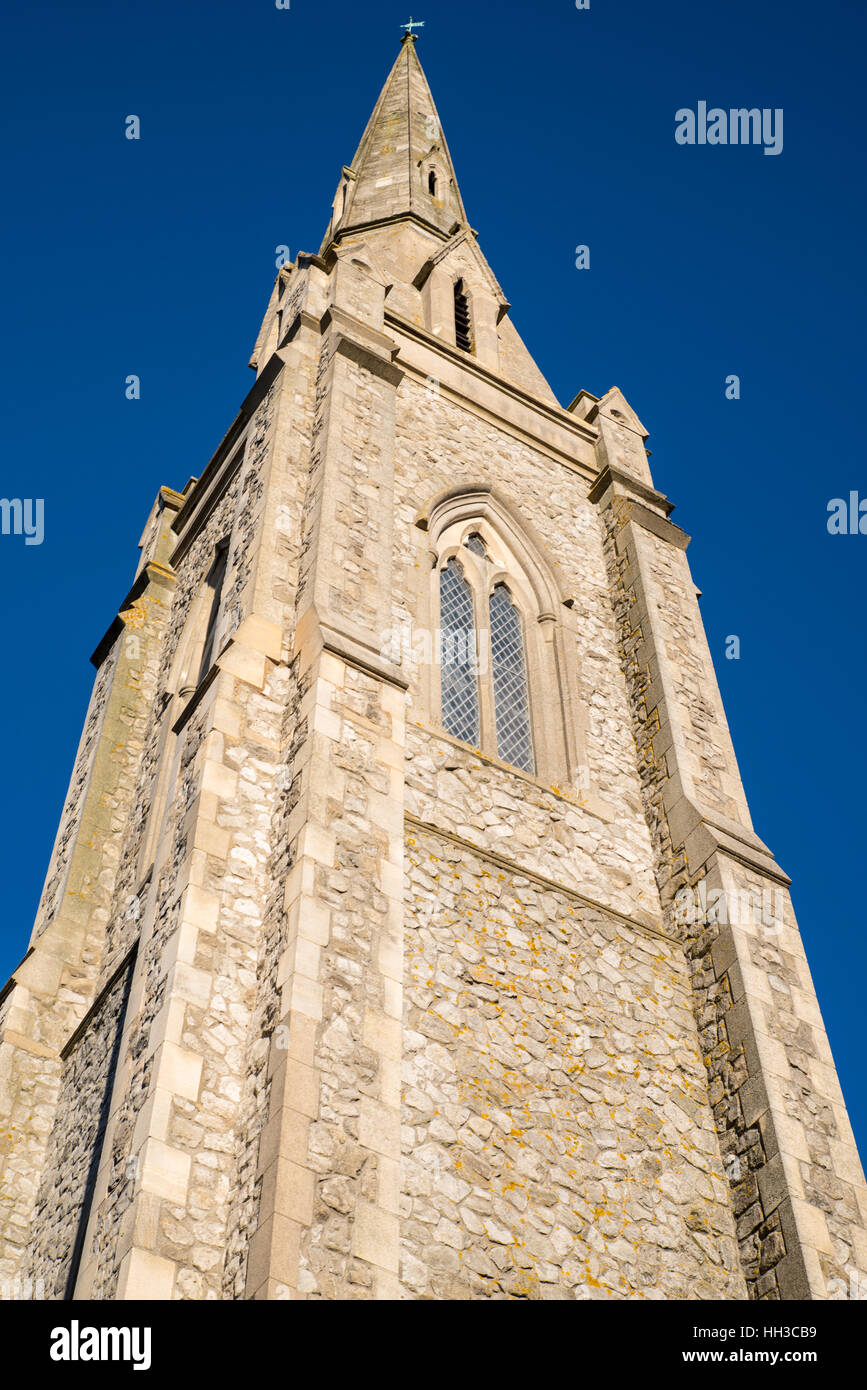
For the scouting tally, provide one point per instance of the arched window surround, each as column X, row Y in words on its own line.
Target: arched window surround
column 515, row 558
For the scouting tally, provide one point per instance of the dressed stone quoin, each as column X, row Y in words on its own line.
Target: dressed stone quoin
column 406, row 934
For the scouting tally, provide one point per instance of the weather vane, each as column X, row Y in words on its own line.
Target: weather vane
column 413, row 24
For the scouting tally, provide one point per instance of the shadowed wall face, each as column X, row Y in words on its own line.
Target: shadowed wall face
column 65, row 1196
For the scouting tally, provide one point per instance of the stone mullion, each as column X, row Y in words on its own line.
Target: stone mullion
column 485, row 667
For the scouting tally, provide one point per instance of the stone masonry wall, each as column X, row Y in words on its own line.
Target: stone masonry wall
column 347, row 1165
column 798, row 1189
column 126, row 911
column 123, row 912
column 607, row 857
column 219, row 1010
column 557, row 1137
column 288, row 494
column 246, row 1187
column 760, row 1239
column 539, row 826
column 29, row 1083
column 120, row 1160
column 207, row 1127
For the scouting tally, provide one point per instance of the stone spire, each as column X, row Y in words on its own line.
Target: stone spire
column 402, row 168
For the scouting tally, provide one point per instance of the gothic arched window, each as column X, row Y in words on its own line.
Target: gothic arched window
column 484, row 687
column 501, row 671
column 460, row 685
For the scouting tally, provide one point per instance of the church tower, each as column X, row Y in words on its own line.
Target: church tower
column 406, row 934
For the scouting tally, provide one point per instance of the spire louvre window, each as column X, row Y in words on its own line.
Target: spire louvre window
column 463, row 334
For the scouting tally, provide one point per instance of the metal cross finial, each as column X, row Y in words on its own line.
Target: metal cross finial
column 413, row 24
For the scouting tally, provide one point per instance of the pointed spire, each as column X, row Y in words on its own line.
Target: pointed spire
column 402, row 166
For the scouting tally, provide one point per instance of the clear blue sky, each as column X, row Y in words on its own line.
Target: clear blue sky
column 156, row 258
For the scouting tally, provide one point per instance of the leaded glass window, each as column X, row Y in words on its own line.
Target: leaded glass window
column 476, row 544
column 509, row 669
column 460, row 687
